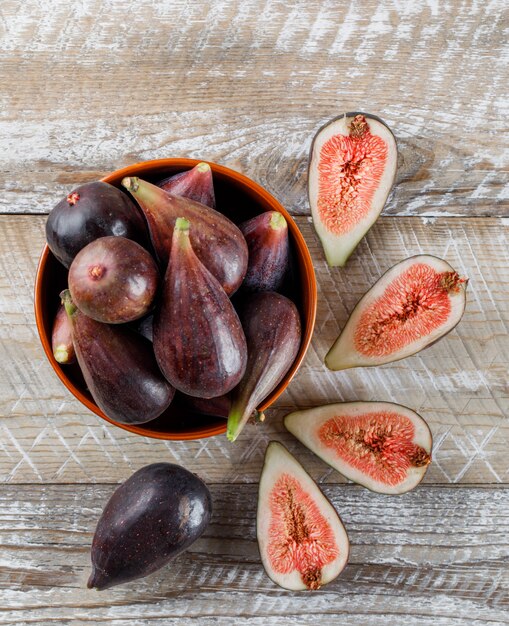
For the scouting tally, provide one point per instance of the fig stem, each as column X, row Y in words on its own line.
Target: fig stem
column 70, row 307
column 61, row 354
column 234, row 422
column 182, row 224
column 203, row 167
column 277, row 221
column 131, row 183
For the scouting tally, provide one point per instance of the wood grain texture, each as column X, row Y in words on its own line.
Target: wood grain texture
column 87, row 89
column 434, row 557
column 460, row 385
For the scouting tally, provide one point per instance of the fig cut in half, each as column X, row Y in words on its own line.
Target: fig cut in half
column 303, row 543
column 383, row 446
column 352, row 166
column 411, row 306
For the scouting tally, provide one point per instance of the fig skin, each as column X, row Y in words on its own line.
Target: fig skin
column 217, row 407
column 216, row 240
column 61, row 338
column 272, row 326
column 113, row 280
column 198, row 338
column 119, row 368
column 93, row 210
column 195, row 184
column 268, row 245
column 151, row 518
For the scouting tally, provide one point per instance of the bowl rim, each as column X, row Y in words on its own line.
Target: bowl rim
column 308, row 315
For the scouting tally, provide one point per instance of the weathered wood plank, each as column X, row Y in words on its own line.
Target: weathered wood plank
column 460, row 385
column 437, row 556
column 86, row 89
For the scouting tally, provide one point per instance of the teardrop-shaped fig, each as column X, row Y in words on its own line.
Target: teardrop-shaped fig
column 302, row 541
column 383, row 446
column 195, row 184
column 61, row 338
column 217, row 242
column 91, row 211
column 198, row 339
column 119, row 368
column 113, row 280
column 217, row 407
column 151, row 518
column 272, row 326
column 267, row 241
column 352, row 167
column 411, row 306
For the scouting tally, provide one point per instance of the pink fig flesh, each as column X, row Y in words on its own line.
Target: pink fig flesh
column 61, row 338
column 216, row 240
column 195, row 184
column 268, row 245
column 198, row 339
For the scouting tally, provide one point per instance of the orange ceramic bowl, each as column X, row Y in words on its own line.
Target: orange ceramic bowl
column 238, row 197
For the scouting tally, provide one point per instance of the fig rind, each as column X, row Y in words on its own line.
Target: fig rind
column 382, row 446
column 303, row 543
column 358, row 216
column 391, row 314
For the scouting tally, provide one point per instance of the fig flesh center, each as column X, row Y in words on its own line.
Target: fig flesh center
column 349, row 173
column 412, row 306
column 300, row 537
column 379, row 444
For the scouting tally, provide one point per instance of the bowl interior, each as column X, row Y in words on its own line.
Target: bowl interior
column 237, row 197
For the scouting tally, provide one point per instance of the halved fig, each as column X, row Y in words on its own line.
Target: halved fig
column 411, row 306
column 352, row 166
column 303, row 543
column 383, row 446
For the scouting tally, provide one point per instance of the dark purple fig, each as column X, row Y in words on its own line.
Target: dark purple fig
column 217, row 242
column 198, row 339
column 150, row 519
column 91, row 211
column 195, row 184
column 273, row 332
column 217, row 407
column 113, row 280
column 267, row 242
column 61, row 338
column 119, row 368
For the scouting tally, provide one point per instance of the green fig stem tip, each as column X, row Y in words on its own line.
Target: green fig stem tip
column 70, row 307
column 203, row 167
column 277, row 221
column 131, row 183
column 182, row 224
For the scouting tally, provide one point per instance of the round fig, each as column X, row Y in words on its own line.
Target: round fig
column 303, row 543
column 91, row 211
column 352, row 167
column 383, row 446
column 267, row 241
column 412, row 305
column 113, row 280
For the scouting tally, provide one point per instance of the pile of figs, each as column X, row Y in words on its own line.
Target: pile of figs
column 148, row 309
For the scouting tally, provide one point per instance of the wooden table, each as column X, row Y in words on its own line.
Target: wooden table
column 89, row 86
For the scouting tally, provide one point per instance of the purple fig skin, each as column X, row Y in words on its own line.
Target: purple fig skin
column 216, row 241
column 151, row 518
column 61, row 338
column 113, row 280
column 119, row 369
column 217, row 407
column 198, row 338
column 267, row 241
column 91, row 211
column 145, row 327
column 272, row 326
column 195, row 184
